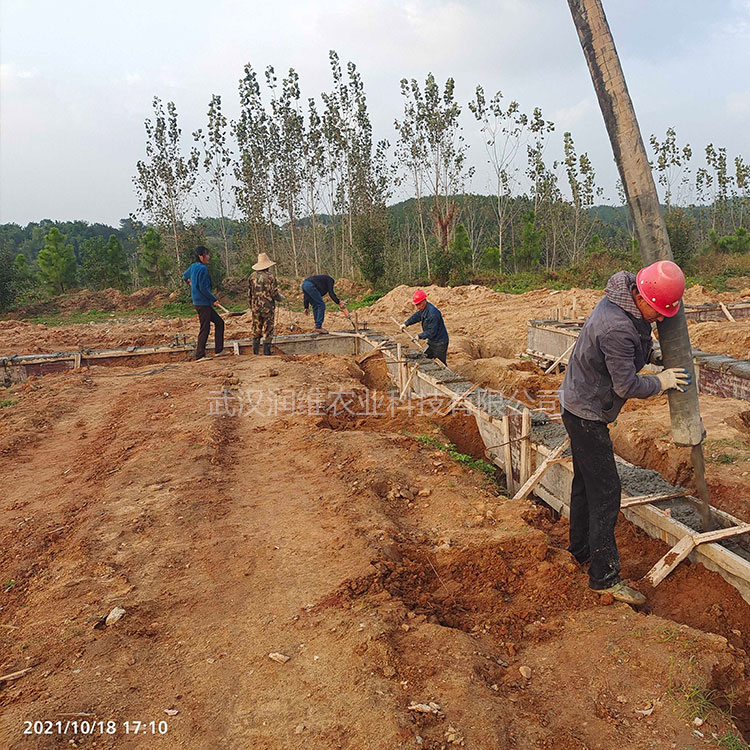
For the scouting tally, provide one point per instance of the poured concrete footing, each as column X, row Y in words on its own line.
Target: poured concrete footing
column 18, row 368
column 499, row 421
column 549, row 341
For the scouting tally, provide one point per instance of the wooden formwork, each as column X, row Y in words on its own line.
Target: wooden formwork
column 500, row 424
column 17, row 368
column 548, row 341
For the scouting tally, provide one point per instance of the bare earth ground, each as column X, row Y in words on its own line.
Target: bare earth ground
column 388, row 574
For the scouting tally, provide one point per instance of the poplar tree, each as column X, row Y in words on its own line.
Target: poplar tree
column 165, row 180
column 217, row 160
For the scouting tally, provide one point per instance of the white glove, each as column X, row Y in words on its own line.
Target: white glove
column 403, row 326
column 675, row 378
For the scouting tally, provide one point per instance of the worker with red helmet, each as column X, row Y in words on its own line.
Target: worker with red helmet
column 613, row 346
column 433, row 327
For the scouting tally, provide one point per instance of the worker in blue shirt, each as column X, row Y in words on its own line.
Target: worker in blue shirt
column 204, row 300
column 433, row 328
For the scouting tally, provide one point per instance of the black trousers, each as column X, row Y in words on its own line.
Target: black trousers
column 594, row 500
column 437, row 350
column 206, row 316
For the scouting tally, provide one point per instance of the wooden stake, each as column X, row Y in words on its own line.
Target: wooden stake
column 400, row 364
column 236, row 347
column 405, row 389
column 508, row 456
column 685, row 546
column 532, row 481
column 525, row 468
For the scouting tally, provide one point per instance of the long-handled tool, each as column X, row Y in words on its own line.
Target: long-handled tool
column 230, row 314
column 414, row 339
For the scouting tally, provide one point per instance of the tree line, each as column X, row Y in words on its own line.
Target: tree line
column 305, row 180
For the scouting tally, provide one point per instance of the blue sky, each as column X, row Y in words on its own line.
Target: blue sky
column 78, row 77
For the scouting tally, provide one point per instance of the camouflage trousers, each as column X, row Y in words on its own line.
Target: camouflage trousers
column 263, row 323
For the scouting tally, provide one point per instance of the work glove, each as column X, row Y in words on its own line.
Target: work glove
column 675, row 378
column 403, row 326
column 656, row 358
column 344, row 310
column 307, row 311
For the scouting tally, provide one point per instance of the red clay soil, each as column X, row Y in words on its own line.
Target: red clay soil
column 416, row 605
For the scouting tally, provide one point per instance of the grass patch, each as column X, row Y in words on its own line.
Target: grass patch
column 367, row 300
column 178, row 309
column 477, row 464
column 8, row 585
column 732, row 741
column 8, row 402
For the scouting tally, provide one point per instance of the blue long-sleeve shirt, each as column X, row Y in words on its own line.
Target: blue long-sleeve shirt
column 433, row 328
column 200, row 284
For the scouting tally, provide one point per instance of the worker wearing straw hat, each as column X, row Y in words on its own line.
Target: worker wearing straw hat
column 263, row 294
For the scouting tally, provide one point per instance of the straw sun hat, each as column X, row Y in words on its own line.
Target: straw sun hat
column 263, row 263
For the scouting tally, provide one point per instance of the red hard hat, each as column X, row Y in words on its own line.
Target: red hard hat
column 662, row 285
column 419, row 296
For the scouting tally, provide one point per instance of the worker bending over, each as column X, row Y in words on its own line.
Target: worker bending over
column 314, row 288
column 197, row 278
column 433, row 328
column 263, row 294
column 613, row 346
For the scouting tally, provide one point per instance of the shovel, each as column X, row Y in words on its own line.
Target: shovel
column 228, row 313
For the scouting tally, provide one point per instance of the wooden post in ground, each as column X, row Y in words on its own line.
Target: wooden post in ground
column 400, row 363
column 508, row 455
column 525, row 470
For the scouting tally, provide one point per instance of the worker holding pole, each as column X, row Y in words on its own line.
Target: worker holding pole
column 433, row 327
column 199, row 281
column 613, row 346
column 263, row 294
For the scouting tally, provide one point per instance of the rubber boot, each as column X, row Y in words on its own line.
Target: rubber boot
column 266, row 347
column 256, row 345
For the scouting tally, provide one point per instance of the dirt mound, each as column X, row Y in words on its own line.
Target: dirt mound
column 722, row 337
column 480, row 321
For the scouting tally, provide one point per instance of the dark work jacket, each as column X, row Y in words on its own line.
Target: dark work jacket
column 602, row 373
column 433, row 328
column 324, row 284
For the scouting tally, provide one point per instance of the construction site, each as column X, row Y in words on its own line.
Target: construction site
column 321, row 548
column 531, row 533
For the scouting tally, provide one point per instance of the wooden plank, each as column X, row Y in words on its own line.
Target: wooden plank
column 685, row 546
column 369, row 354
column 560, row 358
column 537, row 475
column 15, row 675
column 726, row 312
column 671, row 560
column 630, row 502
column 457, row 400
column 236, row 347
